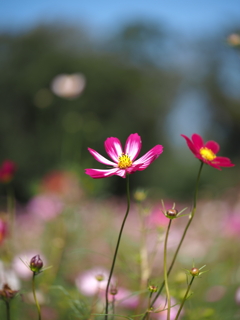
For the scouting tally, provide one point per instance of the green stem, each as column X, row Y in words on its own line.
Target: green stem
column 149, row 304
column 184, row 298
column 183, row 236
column 116, row 249
column 35, row 297
column 166, row 273
column 8, row 310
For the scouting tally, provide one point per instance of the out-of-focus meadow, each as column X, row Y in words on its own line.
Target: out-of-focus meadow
column 62, row 91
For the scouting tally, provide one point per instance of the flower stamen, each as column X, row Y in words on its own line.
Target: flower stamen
column 207, row 154
column 124, row 161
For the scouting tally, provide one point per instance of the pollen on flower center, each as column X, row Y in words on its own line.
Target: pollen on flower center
column 124, row 161
column 207, row 154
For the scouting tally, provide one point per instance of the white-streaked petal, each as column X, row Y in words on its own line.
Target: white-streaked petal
column 113, row 148
column 101, row 173
column 148, row 157
column 97, row 156
column 133, row 146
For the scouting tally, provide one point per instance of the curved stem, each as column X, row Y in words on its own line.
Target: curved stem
column 35, row 297
column 183, row 236
column 166, row 273
column 116, row 249
column 184, row 298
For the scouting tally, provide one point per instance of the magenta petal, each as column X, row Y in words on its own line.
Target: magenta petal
column 197, row 141
column 223, row 162
column 212, row 145
column 99, row 173
column 113, row 148
column 148, row 158
column 133, row 146
column 190, row 145
column 97, row 156
column 216, row 166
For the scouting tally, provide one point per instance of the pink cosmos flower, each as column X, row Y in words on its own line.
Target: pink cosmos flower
column 123, row 298
column 92, row 281
column 207, row 152
column 123, row 161
column 7, row 171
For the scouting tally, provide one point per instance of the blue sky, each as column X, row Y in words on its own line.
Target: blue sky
column 188, row 17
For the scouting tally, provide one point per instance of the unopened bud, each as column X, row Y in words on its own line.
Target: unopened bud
column 172, row 213
column 152, row 288
column 140, row 195
column 113, row 291
column 99, row 277
column 194, row 272
column 36, row 264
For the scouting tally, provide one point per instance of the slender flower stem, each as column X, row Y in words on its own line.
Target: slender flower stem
column 35, row 297
column 8, row 310
column 166, row 273
column 117, row 246
column 183, row 236
column 149, row 304
column 184, row 298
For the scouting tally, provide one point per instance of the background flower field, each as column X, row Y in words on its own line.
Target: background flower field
column 76, row 236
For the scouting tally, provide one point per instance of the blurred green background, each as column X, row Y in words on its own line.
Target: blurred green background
column 141, row 77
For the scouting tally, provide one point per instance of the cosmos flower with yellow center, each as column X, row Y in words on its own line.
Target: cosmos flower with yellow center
column 124, row 162
column 207, row 152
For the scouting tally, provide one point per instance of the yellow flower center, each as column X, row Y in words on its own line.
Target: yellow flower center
column 207, row 154
column 124, row 161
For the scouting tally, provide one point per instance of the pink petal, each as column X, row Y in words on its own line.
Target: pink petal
column 197, row 141
column 212, row 145
column 97, row 156
column 99, row 173
column 190, row 145
column 213, row 165
column 148, row 158
column 113, row 148
column 223, row 162
column 133, row 146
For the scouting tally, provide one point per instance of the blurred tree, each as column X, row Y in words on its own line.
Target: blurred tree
column 41, row 131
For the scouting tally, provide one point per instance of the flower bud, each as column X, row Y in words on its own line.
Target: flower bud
column 113, row 291
column 7, row 293
column 171, row 213
column 36, row 264
column 152, row 288
column 99, row 277
column 194, row 272
column 140, row 195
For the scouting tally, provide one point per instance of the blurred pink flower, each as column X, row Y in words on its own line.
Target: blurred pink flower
column 61, row 183
column 161, row 304
column 3, row 230
column 156, row 217
column 215, row 293
column 92, row 281
column 123, row 298
column 7, row 171
column 46, row 207
column 8, row 276
column 237, row 296
column 232, row 223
